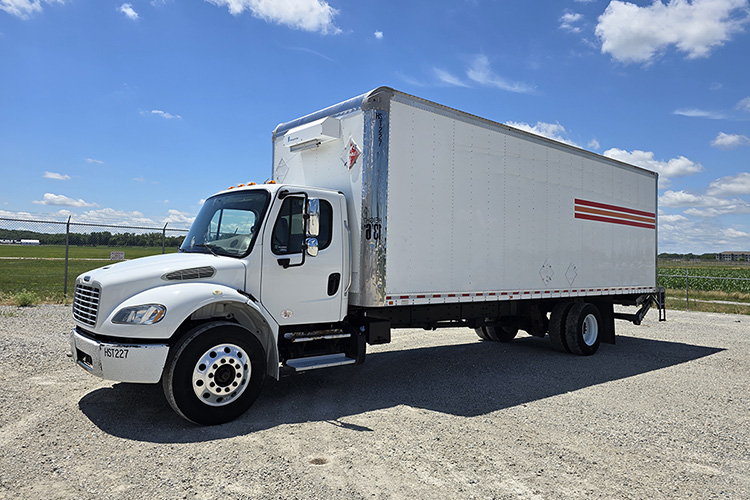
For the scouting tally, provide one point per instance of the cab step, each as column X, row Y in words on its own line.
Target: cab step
column 326, row 361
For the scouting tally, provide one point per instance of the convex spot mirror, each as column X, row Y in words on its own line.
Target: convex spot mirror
column 313, row 219
column 311, row 247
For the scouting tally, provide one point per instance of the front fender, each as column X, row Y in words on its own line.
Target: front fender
column 204, row 300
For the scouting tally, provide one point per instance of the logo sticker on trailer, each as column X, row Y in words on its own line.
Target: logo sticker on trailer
column 613, row 214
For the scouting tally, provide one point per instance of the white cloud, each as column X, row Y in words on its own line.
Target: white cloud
column 681, row 234
column 449, row 78
column 633, row 34
column 307, row 15
column 594, row 144
column 25, row 8
column 481, row 73
column 744, row 104
column 56, row 176
column 62, row 201
column 731, row 185
column 378, row 35
column 730, row 141
column 703, row 205
column 569, row 21
column 129, row 12
column 92, row 160
column 699, row 113
column 672, row 218
column 676, row 167
column 162, row 114
column 553, row 131
column 177, row 218
column 116, row 217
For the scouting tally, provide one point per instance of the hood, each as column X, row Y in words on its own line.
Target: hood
column 122, row 280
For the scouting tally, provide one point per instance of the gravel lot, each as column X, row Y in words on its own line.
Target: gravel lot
column 665, row 413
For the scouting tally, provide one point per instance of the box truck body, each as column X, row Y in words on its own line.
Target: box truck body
column 384, row 211
column 446, row 203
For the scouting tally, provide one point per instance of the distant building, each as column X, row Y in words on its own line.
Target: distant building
column 733, row 256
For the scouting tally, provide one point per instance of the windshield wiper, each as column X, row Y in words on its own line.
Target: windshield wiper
column 210, row 248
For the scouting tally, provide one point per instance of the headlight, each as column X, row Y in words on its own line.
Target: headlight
column 147, row 314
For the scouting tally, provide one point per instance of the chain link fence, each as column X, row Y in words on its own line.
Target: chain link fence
column 43, row 257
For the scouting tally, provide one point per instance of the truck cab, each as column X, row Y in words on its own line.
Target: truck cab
column 267, row 265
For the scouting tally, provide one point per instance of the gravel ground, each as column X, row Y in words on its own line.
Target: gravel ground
column 665, row 413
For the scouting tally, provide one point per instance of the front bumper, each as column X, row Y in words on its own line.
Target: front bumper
column 138, row 363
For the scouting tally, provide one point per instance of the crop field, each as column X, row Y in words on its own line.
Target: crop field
column 40, row 270
column 724, row 279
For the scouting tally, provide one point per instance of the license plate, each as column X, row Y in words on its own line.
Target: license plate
column 115, row 352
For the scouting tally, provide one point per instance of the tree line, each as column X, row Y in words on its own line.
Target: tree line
column 688, row 256
column 101, row 238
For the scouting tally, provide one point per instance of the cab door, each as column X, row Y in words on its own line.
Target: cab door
column 296, row 287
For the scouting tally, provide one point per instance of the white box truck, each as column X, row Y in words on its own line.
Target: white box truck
column 385, row 211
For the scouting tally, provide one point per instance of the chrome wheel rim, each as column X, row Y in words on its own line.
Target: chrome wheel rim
column 220, row 376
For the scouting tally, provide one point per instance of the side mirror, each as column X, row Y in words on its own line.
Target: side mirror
column 313, row 219
column 311, row 247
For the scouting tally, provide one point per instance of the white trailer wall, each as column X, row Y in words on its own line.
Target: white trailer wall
column 477, row 207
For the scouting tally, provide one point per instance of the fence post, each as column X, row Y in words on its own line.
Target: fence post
column 164, row 237
column 67, row 246
column 687, row 290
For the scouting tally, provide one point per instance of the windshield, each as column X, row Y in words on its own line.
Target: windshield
column 227, row 224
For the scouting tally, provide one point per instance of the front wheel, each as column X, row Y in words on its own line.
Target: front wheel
column 214, row 373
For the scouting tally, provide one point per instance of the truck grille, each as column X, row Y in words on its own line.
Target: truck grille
column 86, row 304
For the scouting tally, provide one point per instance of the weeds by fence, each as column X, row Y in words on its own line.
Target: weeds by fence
column 41, row 257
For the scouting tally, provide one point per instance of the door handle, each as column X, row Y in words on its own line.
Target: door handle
column 334, row 281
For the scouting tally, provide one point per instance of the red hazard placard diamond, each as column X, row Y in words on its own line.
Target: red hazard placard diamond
column 352, row 152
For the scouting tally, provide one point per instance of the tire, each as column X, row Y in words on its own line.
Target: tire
column 214, row 373
column 502, row 333
column 557, row 326
column 583, row 328
column 481, row 333
column 496, row 333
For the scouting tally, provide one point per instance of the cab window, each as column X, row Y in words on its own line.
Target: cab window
column 289, row 229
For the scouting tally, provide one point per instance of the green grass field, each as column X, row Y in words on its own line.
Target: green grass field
column 40, row 270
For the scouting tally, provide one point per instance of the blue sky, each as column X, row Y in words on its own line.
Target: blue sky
column 134, row 112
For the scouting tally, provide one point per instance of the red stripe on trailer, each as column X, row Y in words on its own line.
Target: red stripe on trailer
column 613, row 207
column 614, row 221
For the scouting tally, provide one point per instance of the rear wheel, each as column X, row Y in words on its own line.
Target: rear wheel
column 214, row 373
column 503, row 333
column 557, row 326
column 481, row 333
column 499, row 333
column 583, row 328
